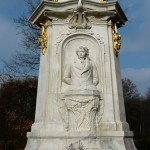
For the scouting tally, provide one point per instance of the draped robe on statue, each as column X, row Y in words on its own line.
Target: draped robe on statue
column 82, row 78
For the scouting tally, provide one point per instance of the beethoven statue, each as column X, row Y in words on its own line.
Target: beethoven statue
column 81, row 97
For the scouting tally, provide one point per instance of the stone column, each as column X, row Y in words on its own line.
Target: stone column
column 79, row 77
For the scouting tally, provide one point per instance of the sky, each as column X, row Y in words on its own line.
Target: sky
column 135, row 51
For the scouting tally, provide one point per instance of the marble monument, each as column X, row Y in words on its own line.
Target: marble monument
column 80, row 103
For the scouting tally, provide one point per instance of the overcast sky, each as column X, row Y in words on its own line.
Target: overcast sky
column 135, row 50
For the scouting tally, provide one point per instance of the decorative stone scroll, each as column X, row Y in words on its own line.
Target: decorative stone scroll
column 79, row 19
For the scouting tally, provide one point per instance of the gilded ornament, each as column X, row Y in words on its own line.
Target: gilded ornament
column 116, row 40
column 103, row 0
column 43, row 39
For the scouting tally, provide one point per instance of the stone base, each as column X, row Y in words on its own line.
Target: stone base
column 104, row 140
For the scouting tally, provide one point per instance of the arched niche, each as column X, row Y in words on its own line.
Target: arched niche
column 67, row 53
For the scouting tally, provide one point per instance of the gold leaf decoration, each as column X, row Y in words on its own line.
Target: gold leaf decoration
column 116, row 40
column 43, row 39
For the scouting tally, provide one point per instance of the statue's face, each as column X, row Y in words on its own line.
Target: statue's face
column 81, row 53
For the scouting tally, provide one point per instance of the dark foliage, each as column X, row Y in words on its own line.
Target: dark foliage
column 129, row 90
column 137, row 114
column 147, row 94
column 17, row 111
column 142, row 143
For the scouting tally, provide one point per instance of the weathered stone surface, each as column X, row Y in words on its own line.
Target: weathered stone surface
column 79, row 99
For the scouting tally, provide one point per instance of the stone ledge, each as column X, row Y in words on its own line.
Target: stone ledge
column 70, row 135
column 82, row 93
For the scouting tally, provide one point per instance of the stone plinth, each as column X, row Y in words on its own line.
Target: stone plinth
column 104, row 140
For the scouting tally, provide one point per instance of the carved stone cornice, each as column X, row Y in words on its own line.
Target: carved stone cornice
column 62, row 10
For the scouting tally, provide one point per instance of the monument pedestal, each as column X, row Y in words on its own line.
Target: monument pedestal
column 80, row 47
column 104, row 140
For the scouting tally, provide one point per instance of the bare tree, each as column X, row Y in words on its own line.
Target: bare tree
column 147, row 94
column 25, row 61
column 130, row 90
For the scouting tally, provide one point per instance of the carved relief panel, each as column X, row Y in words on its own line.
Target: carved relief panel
column 81, row 76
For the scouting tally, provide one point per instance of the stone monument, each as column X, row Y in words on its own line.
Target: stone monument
column 80, row 103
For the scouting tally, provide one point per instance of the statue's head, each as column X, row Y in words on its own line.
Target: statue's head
column 82, row 52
